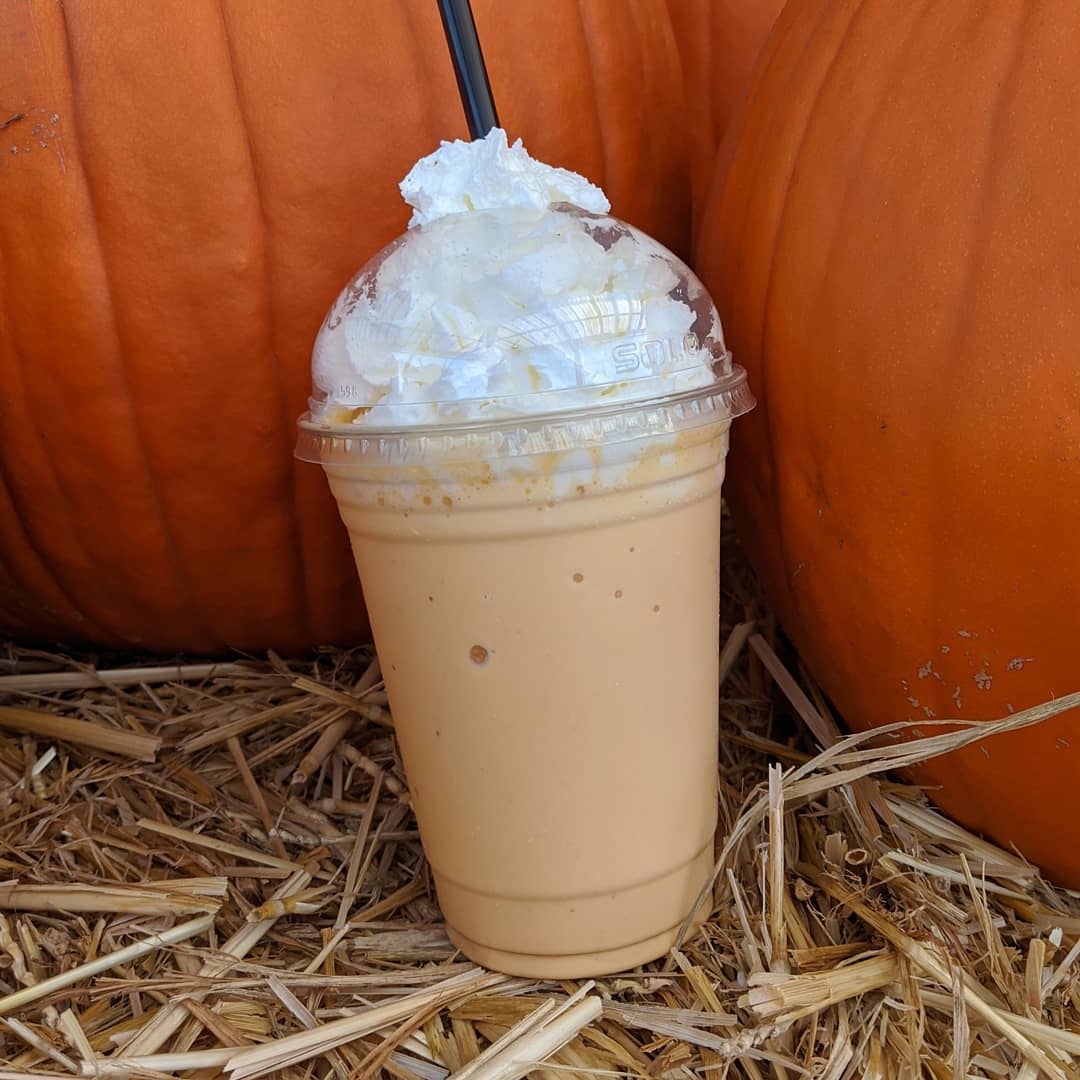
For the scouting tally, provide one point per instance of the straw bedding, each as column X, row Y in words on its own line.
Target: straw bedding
column 211, row 871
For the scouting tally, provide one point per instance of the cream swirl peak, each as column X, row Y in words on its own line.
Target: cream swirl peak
column 489, row 174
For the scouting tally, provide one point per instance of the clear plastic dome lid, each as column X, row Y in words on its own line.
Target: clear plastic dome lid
column 507, row 313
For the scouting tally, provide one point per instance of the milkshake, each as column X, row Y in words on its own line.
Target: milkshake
column 522, row 407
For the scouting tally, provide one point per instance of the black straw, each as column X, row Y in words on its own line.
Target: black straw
column 472, row 80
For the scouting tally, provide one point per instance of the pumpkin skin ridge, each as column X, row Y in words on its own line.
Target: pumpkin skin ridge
column 798, row 600
column 776, row 495
column 50, row 581
column 719, row 42
column 37, row 564
column 763, row 413
column 106, row 634
column 965, row 309
column 210, row 642
column 30, row 549
column 640, row 134
column 300, row 563
column 801, row 603
column 963, row 785
column 783, row 540
column 26, row 533
column 647, row 32
column 605, row 149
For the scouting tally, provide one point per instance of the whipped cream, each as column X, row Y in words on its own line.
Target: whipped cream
column 512, row 293
column 487, row 174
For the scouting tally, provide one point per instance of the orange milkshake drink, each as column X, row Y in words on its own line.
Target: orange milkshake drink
column 522, row 407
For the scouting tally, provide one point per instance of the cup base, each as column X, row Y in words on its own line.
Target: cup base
column 583, row 965
column 578, row 936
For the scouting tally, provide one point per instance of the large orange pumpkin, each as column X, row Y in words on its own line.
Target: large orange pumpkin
column 183, row 190
column 894, row 242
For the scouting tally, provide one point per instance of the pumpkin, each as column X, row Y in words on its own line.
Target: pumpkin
column 719, row 41
column 892, row 239
column 184, row 188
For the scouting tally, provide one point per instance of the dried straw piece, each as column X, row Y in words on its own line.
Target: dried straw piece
column 155, row 1033
column 223, row 847
column 666, row 1023
column 141, row 900
column 23, row 1074
column 323, row 748
column 79, row 732
column 699, row 983
column 329, row 739
column 545, row 1031
column 301, row 1013
column 43, row 1046
column 733, row 646
column 11, row 949
column 853, row 764
column 70, row 1026
column 792, row 691
column 824, row 730
column 138, row 676
column 1060, row 1039
column 185, row 1061
column 1063, row 969
column 777, row 939
column 375, row 713
column 390, row 903
column 305, row 902
column 376, row 772
column 256, row 796
column 219, row 733
column 1033, row 974
column 929, row 960
column 357, row 868
column 897, row 859
column 226, row 1033
column 65, row 979
column 934, row 825
column 789, row 997
column 379, row 1056
column 293, row 1049
column 826, row 956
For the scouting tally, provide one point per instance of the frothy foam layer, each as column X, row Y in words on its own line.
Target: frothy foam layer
column 512, row 293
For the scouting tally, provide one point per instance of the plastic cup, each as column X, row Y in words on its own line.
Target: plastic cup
column 543, row 593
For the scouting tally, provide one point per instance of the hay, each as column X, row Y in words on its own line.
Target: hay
column 213, row 870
